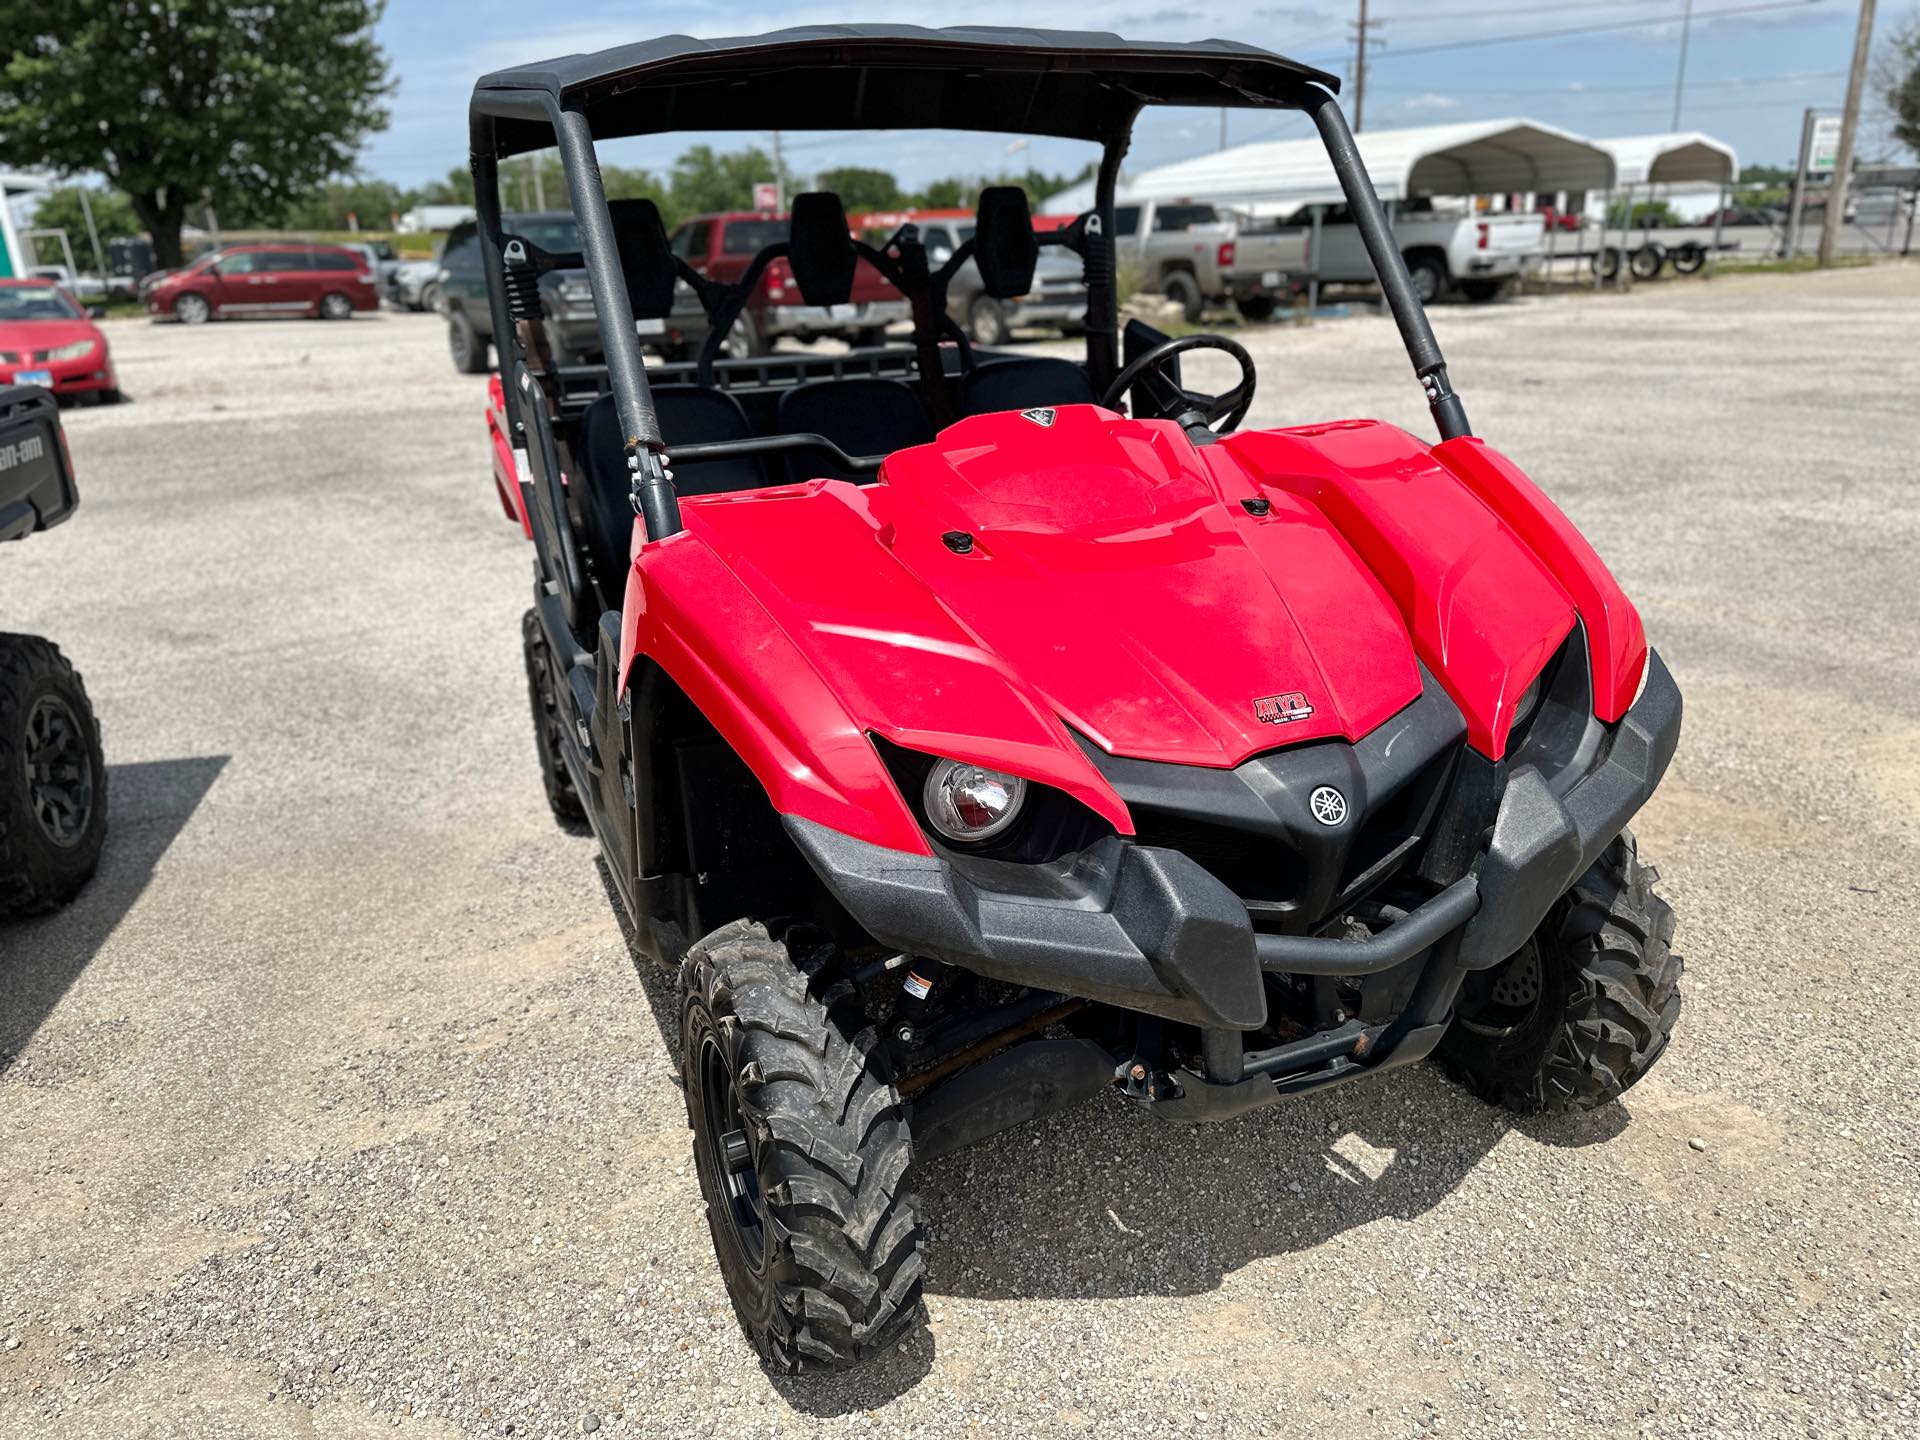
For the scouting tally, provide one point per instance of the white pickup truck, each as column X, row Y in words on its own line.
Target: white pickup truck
column 1475, row 254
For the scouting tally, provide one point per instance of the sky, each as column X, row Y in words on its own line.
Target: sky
column 1750, row 75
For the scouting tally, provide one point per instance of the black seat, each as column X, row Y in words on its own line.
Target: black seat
column 865, row 416
column 689, row 415
column 1025, row 384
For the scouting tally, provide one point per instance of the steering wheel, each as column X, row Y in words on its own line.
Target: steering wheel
column 1218, row 413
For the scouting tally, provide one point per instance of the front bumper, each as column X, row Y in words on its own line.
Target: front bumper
column 834, row 319
column 1148, row 929
column 86, row 375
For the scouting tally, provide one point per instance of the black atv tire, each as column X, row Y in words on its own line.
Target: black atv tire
column 1584, row 1010
column 562, row 798
column 53, row 779
column 818, row 1242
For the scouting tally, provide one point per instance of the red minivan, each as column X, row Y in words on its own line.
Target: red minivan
column 271, row 278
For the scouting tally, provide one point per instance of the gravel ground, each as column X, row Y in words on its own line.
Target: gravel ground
column 337, row 1105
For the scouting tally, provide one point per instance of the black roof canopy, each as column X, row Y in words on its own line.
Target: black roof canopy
column 1073, row 84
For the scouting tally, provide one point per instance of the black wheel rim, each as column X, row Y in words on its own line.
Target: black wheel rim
column 1514, row 996
column 59, row 771
column 730, row 1149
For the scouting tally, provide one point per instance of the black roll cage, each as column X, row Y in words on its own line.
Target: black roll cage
column 495, row 109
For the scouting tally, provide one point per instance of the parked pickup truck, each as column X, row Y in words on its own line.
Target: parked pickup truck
column 1476, row 255
column 1195, row 253
column 722, row 246
column 1057, row 301
column 459, row 289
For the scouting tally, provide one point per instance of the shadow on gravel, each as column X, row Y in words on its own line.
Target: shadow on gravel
column 149, row 804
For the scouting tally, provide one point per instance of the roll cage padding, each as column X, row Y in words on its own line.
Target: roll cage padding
column 1004, row 246
column 820, row 249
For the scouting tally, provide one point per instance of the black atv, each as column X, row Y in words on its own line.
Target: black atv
column 53, row 781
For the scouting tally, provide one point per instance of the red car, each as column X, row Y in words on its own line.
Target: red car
column 48, row 338
column 329, row 282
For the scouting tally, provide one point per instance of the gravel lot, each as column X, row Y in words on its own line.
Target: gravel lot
column 337, row 1105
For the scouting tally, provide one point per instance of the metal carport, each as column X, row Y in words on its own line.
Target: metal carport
column 1678, row 157
column 1275, row 177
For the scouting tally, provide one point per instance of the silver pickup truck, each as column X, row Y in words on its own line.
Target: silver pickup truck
column 1197, row 254
column 1057, row 301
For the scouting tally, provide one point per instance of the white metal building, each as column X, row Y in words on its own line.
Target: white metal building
column 14, row 258
column 1276, row 177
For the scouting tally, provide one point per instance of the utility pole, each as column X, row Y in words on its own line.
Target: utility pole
column 93, row 232
column 1680, row 80
column 779, row 172
column 1223, row 127
column 1360, row 69
column 1849, row 122
column 539, row 180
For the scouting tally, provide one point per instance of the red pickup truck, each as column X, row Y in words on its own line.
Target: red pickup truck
column 722, row 246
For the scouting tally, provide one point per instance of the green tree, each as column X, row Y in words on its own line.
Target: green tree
column 861, row 188
column 180, row 101
column 705, row 180
column 455, row 189
column 1897, row 77
column 60, row 209
column 371, row 204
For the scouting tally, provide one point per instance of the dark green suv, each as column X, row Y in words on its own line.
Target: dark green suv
column 573, row 329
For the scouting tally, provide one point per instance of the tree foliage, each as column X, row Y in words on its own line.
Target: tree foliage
column 248, row 106
column 1897, row 77
column 704, row 179
column 60, row 209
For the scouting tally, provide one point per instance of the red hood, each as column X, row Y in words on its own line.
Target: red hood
column 1150, row 615
column 1114, row 584
column 45, row 334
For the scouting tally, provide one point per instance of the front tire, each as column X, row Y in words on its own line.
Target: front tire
column 802, row 1147
column 53, row 779
column 192, row 309
column 987, row 321
column 1429, row 276
column 464, row 344
column 1184, row 291
column 1585, row 1008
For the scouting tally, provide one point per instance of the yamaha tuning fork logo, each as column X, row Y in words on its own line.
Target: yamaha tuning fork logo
column 1329, row 806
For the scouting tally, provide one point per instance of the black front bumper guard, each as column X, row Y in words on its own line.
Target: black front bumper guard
column 1149, row 930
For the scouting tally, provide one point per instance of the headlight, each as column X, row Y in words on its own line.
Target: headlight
column 969, row 803
column 71, row 352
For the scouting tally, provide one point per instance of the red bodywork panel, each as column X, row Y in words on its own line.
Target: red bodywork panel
column 1117, row 586
column 506, row 473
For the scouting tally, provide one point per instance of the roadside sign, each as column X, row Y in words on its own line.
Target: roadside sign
column 766, row 195
column 1823, row 144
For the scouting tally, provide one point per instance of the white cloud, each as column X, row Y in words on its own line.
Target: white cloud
column 1430, row 102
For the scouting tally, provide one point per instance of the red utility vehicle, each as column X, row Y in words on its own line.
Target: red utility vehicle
column 980, row 733
column 328, row 282
column 48, row 338
column 722, row 247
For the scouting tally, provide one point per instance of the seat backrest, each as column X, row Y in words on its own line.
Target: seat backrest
column 864, row 416
column 1025, row 384
column 689, row 415
column 1004, row 246
column 820, row 249
column 645, row 259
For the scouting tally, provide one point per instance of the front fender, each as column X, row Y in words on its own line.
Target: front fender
column 808, row 637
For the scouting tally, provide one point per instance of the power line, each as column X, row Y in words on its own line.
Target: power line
column 1569, row 30
column 1575, row 91
column 1410, row 18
